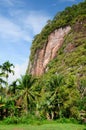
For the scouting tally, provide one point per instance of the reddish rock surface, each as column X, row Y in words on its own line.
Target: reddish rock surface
column 49, row 51
column 70, row 47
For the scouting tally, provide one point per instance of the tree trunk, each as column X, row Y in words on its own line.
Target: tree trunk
column 1, row 113
column 48, row 116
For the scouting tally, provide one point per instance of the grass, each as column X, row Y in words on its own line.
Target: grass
column 56, row 126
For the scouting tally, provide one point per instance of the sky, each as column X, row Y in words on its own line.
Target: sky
column 20, row 21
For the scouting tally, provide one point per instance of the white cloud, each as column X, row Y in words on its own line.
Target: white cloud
column 31, row 20
column 12, row 32
column 35, row 21
column 24, row 27
column 19, row 70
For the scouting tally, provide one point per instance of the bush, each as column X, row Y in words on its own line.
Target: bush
column 11, row 120
column 67, row 120
column 29, row 119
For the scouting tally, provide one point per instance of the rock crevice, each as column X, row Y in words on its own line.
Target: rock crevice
column 48, row 52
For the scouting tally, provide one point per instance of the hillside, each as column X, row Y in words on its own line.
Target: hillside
column 58, row 59
column 61, row 38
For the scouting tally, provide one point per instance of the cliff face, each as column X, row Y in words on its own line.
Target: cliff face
column 48, row 52
column 58, row 53
column 45, row 50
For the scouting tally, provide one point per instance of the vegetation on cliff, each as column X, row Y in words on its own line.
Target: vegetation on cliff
column 69, row 16
column 69, row 98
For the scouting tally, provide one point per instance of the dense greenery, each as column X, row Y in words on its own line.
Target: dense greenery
column 60, row 92
column 32, row 98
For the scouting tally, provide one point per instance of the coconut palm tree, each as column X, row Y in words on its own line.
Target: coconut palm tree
column 55, row 84
column 27, row 93
column 51, row 96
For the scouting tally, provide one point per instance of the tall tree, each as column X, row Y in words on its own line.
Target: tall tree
column 27, row 92
column 7, row 68
column 50, row 101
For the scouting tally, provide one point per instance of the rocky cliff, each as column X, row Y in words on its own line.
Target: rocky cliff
column 60, row 47
column 48, row 52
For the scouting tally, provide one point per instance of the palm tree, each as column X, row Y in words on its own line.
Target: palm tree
column 7, row 68
column 2, row 81
column 51, row 97
column 56, row 83
column 13, row 87
column 11, row 106
column 2, row 76
column 27, row 92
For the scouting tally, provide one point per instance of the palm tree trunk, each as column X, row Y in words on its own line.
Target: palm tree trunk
column 26, row 109
column 48, row 116
column 52, row 115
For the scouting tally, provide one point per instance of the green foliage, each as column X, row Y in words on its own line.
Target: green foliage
column 26, row 92
column 59, row 97
column 25, row 119
column 7, row 68
column 67, row 120
column 11, row 120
